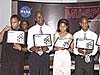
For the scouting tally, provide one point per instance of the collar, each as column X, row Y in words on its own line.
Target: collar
column 39, row 25
column 84, row 31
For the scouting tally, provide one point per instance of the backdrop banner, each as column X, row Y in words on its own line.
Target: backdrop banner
column 55, row 11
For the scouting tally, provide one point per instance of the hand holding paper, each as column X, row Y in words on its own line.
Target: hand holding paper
column 58, row 48
column 80, row 50
column 7, row 28
column 17, row 46
column 88, row 52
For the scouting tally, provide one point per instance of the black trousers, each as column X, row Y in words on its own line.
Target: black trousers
column 39, row 65
column 83, row 68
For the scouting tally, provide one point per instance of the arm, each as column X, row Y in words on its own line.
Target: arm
column 99, row 49
column 71, row 48
column 72, row 45
column 2, row 32
column 19, row 48
column 95, row 49
column 88, row 51
column 58, row 48
column 76, row 50
column 30, row 41
column 80, row 50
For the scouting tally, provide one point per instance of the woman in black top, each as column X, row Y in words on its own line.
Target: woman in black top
column 12, row 56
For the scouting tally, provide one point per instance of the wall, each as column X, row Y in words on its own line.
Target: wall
column 5, row 12
column 57, row 1
column 61, row 1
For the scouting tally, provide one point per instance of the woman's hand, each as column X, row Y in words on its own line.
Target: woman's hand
column 58, row 48
column 7, row 28
column 44, row 48
column 17, row 46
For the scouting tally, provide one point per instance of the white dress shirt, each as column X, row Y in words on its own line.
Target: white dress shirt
column 89, row 35
column 36, row 30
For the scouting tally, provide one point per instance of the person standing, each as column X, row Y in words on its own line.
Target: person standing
column 39, row 58
column 24, row 26
column 62, row 57
column 11, row 56
column 99, row 59
column 84, row 62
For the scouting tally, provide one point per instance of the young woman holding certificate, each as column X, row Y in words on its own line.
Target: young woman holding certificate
column 11, row 56
column 62, row 57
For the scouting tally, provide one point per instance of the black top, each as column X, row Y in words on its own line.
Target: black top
column 9, row 54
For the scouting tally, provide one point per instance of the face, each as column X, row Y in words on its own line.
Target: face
column 14, row 23
column 63, row 27
column 40, row 18
column 24, row 25
column 84, row 24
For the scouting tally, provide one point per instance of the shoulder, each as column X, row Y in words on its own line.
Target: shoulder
column 56, row 34
column 70, row 35
column 32, row 28
column 92, row 33
column 76, row 33
column 47, row 26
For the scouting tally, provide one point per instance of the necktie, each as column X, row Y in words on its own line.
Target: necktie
column 84, row 35
column 40, row 52
column 41, row 32
column 87, row 57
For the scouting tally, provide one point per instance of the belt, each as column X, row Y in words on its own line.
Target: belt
column 82, row 56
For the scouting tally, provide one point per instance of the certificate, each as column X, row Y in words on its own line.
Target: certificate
column 85, row 43
column 63, row 42
column 98, row 40
column 15, row 37
column 42, row 40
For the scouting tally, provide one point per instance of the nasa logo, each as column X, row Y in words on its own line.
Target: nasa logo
column 25, row 11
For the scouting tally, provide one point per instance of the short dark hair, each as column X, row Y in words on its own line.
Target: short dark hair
column 15, row 16
column 83, row 17
column 24, row 21
column 65, row 21
column 37, row 13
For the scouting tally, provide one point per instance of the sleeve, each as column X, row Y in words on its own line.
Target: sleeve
column 30, row 40
column 52, row 33
column 95, row 46
column 75, row 49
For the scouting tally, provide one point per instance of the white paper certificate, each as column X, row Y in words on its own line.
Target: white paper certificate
column 63, row 42
column 15, row 37
column 84, row 43
column 42, row 40
column 98, row 40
